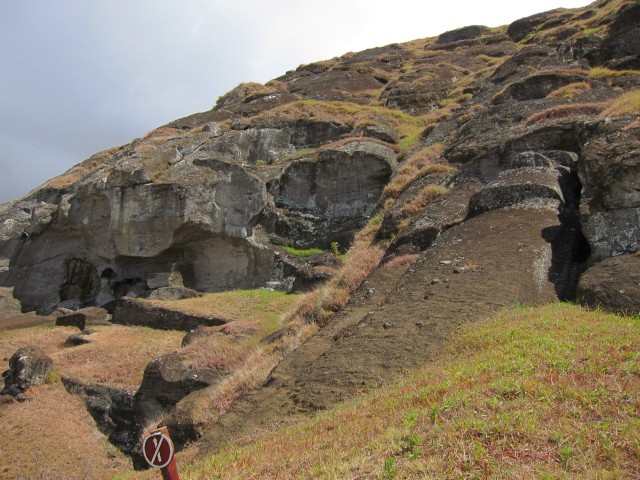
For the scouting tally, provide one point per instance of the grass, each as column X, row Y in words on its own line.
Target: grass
column 428, row 194
column 125, row 349
column 317, row 307
column 626, row 104
column 547, row 392
column 602, row 73
column 345, row 113
column 249, row 306
column 561, row 111
column 81, row 171
column 416, row 166
column 309, row 252
column 570, row 91
column 53, row 436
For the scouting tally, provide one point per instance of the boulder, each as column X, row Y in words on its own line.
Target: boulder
column 613, row 285
column 326, row 200
column 624, row 32
column 522, row 187
column 522, row 27
column 537, row 86
column 167, row 380
column 28, row 366
column 173, row 293
column 77, row 320
column 464, row 33
column 609, row 170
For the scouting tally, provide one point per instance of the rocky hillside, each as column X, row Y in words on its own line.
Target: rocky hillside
column 490, row 166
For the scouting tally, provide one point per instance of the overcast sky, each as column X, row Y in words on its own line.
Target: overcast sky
column 79, row 76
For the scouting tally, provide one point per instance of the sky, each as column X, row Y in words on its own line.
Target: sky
column 80, row 76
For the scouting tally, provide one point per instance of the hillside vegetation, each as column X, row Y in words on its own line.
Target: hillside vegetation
column 535, row 392
column 368, row 267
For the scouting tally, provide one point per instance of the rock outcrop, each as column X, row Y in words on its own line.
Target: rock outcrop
column 494, row 165
column 28, row 366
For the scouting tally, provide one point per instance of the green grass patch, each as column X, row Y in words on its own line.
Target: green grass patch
column 548, row 392
column 601, row 73
column 303, row 252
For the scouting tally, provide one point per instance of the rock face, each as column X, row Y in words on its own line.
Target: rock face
column 613, row 284
column 499, row 163
column 28, row 366
column 138, row 223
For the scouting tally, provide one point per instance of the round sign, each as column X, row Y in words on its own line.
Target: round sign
column 158, row 450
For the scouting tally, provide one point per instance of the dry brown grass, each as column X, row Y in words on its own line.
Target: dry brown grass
column 418, row 203
column 249, row 306
column 570, row 91
column 561, row 111
column 53, row 437
column 319, row 306
column 162, row 134
column 343, row 142
column 416, row 166
column 344, row 113
column 80, row 171
column 402, row 260
column 604, row 74
column 125, row 350
column 626, row 104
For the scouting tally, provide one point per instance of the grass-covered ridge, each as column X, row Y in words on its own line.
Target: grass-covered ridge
column 548, row 392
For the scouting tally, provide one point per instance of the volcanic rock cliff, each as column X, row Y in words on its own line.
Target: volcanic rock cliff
column 205, row 201
column 497, row 165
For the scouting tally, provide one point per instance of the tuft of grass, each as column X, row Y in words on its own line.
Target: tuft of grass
column 402, row 260
column 416, row 166
column 545, row 392
column 570, row 91
column 82, row 170
column 560, row 111
column 626, row 104
column 427, row 195
column 602, row 73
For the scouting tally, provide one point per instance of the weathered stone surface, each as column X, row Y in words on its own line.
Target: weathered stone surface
column 613, row 284
column 519, row 29
column 537, row 86
column 130, row 311
column 464, row 33
column 624, row 33
column 28, row 366
column 522, row 187
column 610, row 172
column 173, row 293
column 113, row 410
column 448, row 210
column 167, row 380
column 335, row 193
column 77, row 320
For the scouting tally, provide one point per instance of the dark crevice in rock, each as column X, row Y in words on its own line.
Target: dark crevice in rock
column 114, row 411
column 569, row 247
